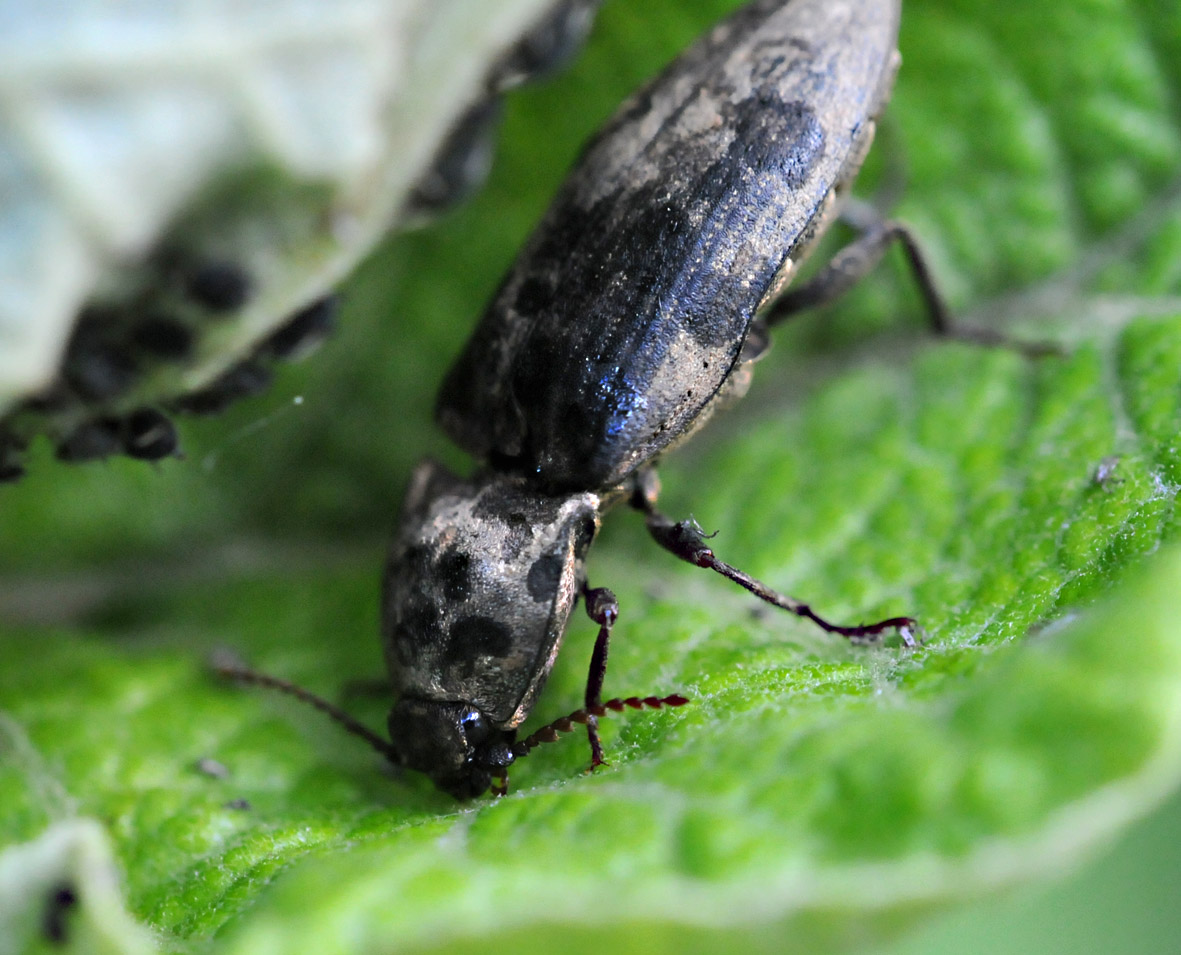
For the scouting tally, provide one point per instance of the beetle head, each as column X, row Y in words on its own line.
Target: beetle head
column 453, row 743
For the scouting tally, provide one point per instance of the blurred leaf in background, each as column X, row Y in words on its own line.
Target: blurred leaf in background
column 814, row 796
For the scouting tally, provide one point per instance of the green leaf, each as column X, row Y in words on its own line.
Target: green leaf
column 813, row 796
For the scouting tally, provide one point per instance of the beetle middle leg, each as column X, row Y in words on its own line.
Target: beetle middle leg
column 687, row 541
column 856, row 260
column 861, row 256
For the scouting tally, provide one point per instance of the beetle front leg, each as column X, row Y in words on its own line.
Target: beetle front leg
column 861, row 256
column 687, row 541
column 603, row 609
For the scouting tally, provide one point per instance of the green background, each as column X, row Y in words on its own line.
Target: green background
column 813, row 796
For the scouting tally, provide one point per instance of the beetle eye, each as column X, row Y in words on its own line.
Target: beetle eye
column 475, row 726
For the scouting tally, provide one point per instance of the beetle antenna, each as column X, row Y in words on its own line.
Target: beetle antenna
column 550, row 732
column 229, row 668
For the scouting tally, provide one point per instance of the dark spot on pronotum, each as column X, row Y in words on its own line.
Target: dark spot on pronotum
column 215, row 769
column 149, row 435
column 91, row 441
column 238, row 804
column 303, row 332
column 163, row 338
column 478, row 636
column 218, row 286
column 517, row 525
column 518, row 530
column 542, row 579
column 417, row 561
column 59, row 903
column 421, row 623
column 242, row 381
column 405, row 647
column 454, row 574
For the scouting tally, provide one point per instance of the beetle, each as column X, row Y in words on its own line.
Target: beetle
column 635, row 311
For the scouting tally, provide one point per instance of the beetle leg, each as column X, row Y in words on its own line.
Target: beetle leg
column 859, row 257
column 687, row 541
column 603, row 609
column 854, row 262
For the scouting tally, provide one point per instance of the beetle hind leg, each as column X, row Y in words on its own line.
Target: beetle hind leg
column 687, row 541
column 861, row 256
column 853, row 263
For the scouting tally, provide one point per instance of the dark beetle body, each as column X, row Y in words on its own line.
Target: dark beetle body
column 628, row 309
column 629, row 315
